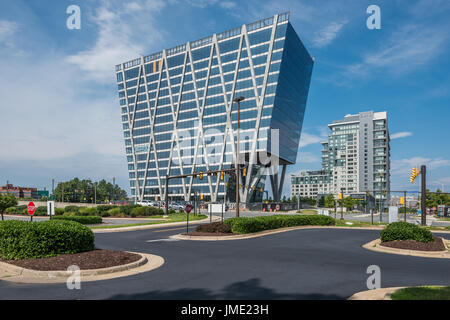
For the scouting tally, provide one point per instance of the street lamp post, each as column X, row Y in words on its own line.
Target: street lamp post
column 238, row 100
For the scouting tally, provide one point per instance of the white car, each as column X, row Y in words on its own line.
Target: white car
column 144, row 203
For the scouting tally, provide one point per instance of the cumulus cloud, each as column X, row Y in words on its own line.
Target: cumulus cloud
column 399, row 135
column 120, row 37
column 326, row 35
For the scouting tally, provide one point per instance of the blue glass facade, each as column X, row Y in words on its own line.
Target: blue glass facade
column 178, row 114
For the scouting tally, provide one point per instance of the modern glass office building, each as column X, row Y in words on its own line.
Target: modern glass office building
column 179, row 117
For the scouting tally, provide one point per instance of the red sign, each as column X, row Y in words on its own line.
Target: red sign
column 31, row 208
column 188, row 208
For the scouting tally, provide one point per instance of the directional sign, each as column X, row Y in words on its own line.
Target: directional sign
column 31, row 208
column 188, row 208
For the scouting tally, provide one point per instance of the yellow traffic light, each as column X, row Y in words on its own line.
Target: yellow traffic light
column 402, row 200
column 340, row 196
column 414, row 173
column 201, row 175
column 201, row 196
column 221, row 175
column 367, row 193
column 245, row 172
column 261, row 189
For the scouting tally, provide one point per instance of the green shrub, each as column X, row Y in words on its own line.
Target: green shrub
column 115, row 212
column 59, row 211
column 81, row 219
column 71, row 209
column 146, row 211
column 30, row 240
column 12, row 210
column 406, row 231
column 250, row 225
column 40, row 211
column 126, row 210
column 88, row 211
column 172, row 211
column 104, row 208
column 70, row 214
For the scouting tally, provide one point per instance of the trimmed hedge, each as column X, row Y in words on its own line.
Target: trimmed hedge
column 406, row 231
column 249, row 225
column 80, row 219
column 146, row 211
column 30, row 240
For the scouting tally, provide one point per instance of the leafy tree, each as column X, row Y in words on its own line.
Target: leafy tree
column 83, row 191
column 349, row 202
column 329, row 201
column 294, row 199
column 7, row 201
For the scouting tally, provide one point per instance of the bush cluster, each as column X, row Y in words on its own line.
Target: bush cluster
column 100, row 211
column 215, row 227
column 30, row 240
column 250, row 225
column 80, row 219
column 406, row 231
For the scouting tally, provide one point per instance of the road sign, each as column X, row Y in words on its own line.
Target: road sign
column 31, row 208
column 51, row 208
column 188, row 208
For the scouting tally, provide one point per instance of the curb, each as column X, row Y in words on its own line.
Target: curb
column 147, row 262
column 152, row 226
column 375, row 246
column 375, row 294
column 262, row 233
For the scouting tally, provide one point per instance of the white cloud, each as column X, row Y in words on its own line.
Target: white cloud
column 326, row 35
column 398, row 135
column 307, row 139
column 120, row 37
column 7, row 30
column 307, row 157
column 402, row 167
column 227, row 4
column 407, row 49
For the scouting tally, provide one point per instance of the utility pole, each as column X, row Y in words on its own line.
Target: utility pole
column 381, row 196
column 238, row 100
column 423, row 200
column 62, row 196
column 114, row 189
column 342, row 204
column 53, row 186
column 95, row 192
column 404, row 197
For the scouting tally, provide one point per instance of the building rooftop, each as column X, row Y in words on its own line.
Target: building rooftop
column 206, row 40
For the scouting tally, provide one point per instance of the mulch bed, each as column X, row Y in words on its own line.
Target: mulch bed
column 436, row 245
column 94, row 259
column 210, row 234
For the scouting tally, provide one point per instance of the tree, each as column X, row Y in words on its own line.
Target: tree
column 294, row 199
column 329, row 201
column 349, row 202
column 77, row 190
column 7, row 201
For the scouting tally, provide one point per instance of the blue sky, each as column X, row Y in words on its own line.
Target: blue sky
column 60, row 114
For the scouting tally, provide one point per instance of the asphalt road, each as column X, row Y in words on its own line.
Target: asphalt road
column 301, row 264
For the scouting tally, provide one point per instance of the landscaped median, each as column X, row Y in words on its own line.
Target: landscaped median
column 409, row 239
column 405, row 293
column 42, row 251
column 243, row 227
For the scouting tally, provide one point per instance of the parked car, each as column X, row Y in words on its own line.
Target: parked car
column 144, row 203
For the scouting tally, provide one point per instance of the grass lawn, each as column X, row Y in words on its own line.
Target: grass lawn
column 443, row 218
column 422, row 293
column 308, row 211
column 176, row 217
column 353, row 223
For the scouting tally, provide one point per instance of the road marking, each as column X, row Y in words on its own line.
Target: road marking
column 163, row 240
column 169, row 229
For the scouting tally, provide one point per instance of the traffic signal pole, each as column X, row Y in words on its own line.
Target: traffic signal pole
column 423, row 203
